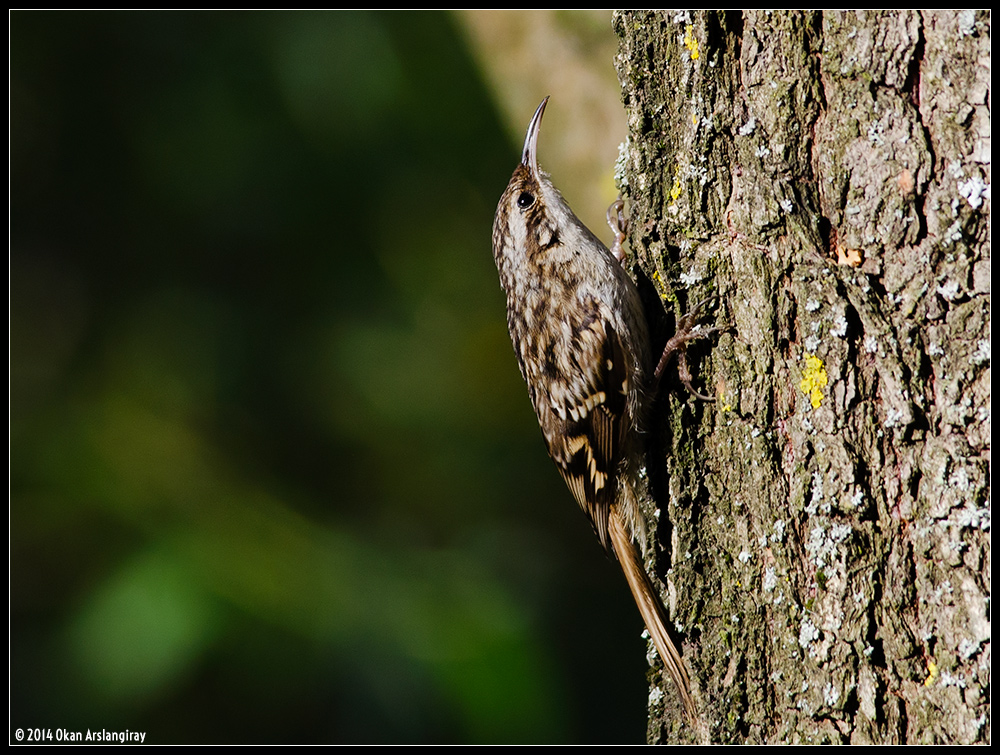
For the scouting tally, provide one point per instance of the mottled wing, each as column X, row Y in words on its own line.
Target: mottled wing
column 586, row 427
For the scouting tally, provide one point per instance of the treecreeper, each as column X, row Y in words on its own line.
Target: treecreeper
column 580, row 337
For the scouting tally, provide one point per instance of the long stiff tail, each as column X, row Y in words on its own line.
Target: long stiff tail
column 652, row 610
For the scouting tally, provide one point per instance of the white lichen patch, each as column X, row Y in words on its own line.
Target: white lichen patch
column 808, row 633
column 974, row 190
column 982, row 353
column 690, row 278
column 770, row 580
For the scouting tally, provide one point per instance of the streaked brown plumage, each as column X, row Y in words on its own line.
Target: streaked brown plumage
column 580, row 337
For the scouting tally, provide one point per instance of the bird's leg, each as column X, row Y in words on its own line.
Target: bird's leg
column 619, row 227
column 688, row 330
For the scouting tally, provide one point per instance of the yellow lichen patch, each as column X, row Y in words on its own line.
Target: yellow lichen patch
column 932, row 673
column 814, row 379
column 690, row 42
column 676, row 189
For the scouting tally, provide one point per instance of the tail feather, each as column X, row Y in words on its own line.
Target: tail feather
column 652, row 610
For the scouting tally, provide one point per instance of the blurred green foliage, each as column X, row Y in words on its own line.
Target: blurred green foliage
column 274, row 475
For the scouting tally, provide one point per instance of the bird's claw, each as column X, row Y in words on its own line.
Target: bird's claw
column 688, row 329
column 619, row 226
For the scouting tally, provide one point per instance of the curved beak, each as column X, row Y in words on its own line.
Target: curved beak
column 529, row 157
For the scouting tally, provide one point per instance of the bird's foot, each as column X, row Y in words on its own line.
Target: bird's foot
column 619, row 227
column 688, row 329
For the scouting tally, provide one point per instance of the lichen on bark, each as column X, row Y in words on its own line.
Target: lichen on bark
column 826, row 175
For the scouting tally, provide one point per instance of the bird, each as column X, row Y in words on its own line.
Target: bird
column 581, row 341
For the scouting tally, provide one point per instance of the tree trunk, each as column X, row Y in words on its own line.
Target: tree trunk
column 825, row 521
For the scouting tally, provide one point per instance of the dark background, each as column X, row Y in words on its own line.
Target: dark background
column 274, row 474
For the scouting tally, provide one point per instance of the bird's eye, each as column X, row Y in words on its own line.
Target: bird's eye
column 525, row 200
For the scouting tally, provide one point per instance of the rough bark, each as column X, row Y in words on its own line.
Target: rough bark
column 826, row 520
